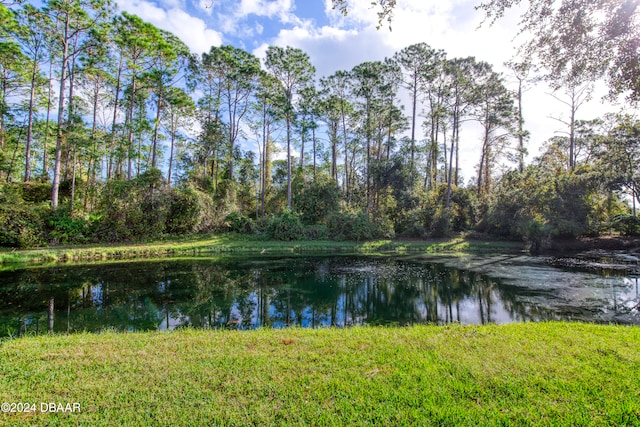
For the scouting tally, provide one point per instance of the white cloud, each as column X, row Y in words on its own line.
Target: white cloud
column 231, row 21
column 171, row 4
column 206, row 6
column 329, row 48
column 191, row 30
column 279, row 8
column 452, row 26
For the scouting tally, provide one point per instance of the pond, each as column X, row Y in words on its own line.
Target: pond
column 309, row 291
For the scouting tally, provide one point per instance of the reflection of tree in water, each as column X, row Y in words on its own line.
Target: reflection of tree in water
column 304, row 296
column 247, row 293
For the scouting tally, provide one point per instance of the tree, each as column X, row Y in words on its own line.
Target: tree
column 618, row 158
column 576, row 38
column 493, row 109
column 337, row 88
column 33, row 41
column 367, row 79
column 461, row 75
column 385, row 9
column 172, row 56
column 308, row 111
column 237, row 72
column 436, row 88
column 269, row 97
column 72, row 19
column 521, row 72
column 179, row 109
column 138, row 42
column 419, row 61
column 577, row 95
column 293, row 69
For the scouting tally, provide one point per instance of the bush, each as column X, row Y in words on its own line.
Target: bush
column 411, row 223
column 286, row 226
column 316, row 232
column 440, row 223
column 21, row 226
column 36, row 192
column 460, row 216
column 134, row 209
column 356, row 226
column 184, row 211
column 64, row 228
column 239, row 223
column 317, row 200
column 628, row 225
column 535, row 232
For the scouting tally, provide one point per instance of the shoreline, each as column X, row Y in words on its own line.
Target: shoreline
column 229, row 243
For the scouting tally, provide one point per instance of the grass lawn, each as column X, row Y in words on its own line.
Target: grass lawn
column 520, row 374
column 223, row 243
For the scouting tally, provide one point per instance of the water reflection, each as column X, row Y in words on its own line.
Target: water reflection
column 302, row 291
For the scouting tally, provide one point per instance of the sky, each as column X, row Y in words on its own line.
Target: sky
column 335, row 42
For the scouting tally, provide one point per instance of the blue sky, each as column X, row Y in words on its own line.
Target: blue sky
column 335, row 42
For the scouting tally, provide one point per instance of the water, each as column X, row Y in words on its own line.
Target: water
column 308, row 291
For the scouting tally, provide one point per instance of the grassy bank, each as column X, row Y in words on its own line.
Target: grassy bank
column 525, row 374
column 237, row 243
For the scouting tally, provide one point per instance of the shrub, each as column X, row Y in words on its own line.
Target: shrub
column 134, row 209
column 36, row 192
column 628, row 225
column 316, row 200
column 286, row 226
column 316, row 232
column 184, row 211
column 21, row 226
column 356, row 226
column 65, row 228
column 239, row 223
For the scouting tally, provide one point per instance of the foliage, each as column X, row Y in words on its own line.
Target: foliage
column 66, row 228
column 239, row 223
column 125, row 92
column 316, row 232
column 134, row 209
column 34, row 192
column 580, row 40
column 286, row 226
column 316, row 200
column 628, row 225
column 356, row 226
column 23, row 226
column 185, row 211
column 562, row 205
column 460, row 216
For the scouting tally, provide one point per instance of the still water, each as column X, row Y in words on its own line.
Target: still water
column 308, row 291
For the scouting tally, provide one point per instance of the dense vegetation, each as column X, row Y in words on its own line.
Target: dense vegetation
column 141, row 139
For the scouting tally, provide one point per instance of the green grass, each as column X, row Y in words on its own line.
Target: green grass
column 523, row 374
column 225, row 243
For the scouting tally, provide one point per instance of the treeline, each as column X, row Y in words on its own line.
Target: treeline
column 112, row 130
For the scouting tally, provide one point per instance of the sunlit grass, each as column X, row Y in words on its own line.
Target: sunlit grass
column 524, row 374
column 224, row 243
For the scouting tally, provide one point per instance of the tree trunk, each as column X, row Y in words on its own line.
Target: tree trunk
column 288, row 119
column 45, row 170
column 173, row 139
column 156, row 128
column 130, row 131
column 59, row 133
column 114, row 122
column 32, row 94
column 313, row 138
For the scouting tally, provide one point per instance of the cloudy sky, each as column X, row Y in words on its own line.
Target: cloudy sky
column 335, row 42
